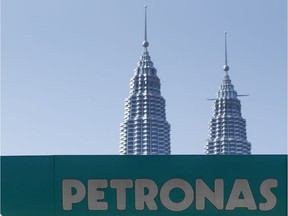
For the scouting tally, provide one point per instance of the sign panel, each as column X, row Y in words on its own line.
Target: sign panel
column 142, row 185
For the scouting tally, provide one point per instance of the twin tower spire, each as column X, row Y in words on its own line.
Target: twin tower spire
column 226, row 67
column 145, row 42
column 145, row 130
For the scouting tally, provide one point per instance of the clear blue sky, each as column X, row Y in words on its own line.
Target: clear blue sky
column 66, row 66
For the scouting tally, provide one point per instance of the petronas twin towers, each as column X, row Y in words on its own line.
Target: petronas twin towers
column 145, row 130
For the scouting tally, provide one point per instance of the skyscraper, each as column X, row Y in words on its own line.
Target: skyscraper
column 145, row 130
column 227, row 128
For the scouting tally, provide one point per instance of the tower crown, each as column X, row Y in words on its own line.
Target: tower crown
column 226, row 89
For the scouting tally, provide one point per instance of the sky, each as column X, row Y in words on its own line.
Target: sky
column 66, row 67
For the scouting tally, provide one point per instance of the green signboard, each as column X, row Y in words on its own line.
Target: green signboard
column 144, row 185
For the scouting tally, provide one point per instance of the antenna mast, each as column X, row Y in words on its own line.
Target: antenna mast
column 145, row 42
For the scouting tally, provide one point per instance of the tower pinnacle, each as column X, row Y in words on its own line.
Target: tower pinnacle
column 145, row 42
column 226, row 67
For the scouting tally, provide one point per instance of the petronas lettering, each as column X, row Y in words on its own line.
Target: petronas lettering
column 148, row 195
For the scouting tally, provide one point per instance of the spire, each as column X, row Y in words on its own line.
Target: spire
column 226, row 67
column 145, row 42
